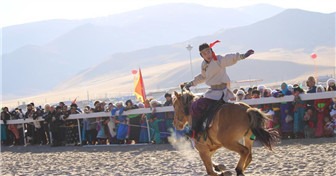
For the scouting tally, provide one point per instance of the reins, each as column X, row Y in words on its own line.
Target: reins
column 184, row 104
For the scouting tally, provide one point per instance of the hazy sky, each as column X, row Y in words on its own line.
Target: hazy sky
column 23, row 11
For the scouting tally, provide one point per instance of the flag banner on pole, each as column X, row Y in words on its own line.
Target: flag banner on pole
column 140, row 88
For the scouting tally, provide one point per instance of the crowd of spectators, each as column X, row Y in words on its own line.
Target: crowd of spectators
column 297, row 119
column 57, row 130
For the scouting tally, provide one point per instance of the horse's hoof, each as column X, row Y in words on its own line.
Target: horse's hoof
column 227, row 173
column 219, row 167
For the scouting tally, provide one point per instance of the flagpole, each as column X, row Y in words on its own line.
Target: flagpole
column 315, row 71
column 149, row 137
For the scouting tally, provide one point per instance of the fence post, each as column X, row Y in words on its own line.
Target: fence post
column 79, row 132
column 149, row 137
column 24, row 135
column 50, row 135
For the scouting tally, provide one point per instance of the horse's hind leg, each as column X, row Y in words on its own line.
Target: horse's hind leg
column 243, row 152
column 248, row 144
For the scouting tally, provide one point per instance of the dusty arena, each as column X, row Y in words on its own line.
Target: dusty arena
column 291, row 157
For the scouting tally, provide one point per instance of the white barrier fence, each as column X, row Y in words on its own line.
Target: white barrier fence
column 269, row 100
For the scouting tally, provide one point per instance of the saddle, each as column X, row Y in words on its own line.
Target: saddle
column 210, row 112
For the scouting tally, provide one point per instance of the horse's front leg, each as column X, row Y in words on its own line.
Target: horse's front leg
column 205, row 156
column 217, row 167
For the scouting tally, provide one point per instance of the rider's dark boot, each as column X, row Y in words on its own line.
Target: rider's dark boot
column 195, row 128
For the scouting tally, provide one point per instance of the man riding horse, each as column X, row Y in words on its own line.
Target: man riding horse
column 214, row 74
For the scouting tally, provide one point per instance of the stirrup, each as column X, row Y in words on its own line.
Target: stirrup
column 191, row 134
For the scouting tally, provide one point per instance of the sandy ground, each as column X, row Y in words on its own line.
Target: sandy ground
column 291, row 157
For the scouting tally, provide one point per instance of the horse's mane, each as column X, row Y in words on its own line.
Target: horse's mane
column 187, row 98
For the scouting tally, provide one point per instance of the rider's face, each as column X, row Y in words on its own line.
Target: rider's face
column 207, row 54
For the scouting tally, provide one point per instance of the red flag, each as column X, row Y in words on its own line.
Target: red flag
column 140, row 88
column 74, row 101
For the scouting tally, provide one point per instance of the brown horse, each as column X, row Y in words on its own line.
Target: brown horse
column 231, row 123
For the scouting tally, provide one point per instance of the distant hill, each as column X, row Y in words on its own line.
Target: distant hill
column 177, row 21
column 36, row 33
column 66, row 47
column 261, row 36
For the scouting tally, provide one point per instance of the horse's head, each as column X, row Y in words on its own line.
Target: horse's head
column 182, row 103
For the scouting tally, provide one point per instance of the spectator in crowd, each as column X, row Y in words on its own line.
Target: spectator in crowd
column 86, row 138
column 160, row 126
column 331, row 84
column 249, row 93
column 311, row 85
column 290, row 88
column 122, row 125
column 48, row 118
column 332, row 104
column 273, row 122
column 147, row 102
column 286, row 110
column 112, row 133
column 268, row 92
column 155, row 125
column 256, row 95
column 46, row 127
column 169, row 115
column 266, row 107
column 110, row 107
column 321, row 107
column 56, row 123
column 261, row 89
column 4, row 133
column 328, row 127
column 72, row 137
column 277, row 113
column 144, row 127
column 333, row 120
column 30, row 126
column 101, row 135
column 65, row 112
column 311, row 89
column 17, row 114
column 102, row 106
column 240, row 95
column 38, row 133
column 299, row 112
column 310, row 120
column 61, row 104
column 90, row 127
column 13, row 134
column 134, row 120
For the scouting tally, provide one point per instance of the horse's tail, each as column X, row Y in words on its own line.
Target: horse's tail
column 258, row 126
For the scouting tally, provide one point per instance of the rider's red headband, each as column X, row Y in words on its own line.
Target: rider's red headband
column 213, row 53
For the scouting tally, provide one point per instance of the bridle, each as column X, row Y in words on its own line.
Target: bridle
column 185, row 109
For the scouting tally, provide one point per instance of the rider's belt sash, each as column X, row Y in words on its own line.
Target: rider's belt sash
column 219, row 86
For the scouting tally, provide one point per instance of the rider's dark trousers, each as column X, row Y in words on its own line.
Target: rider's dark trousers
column 198, row 109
